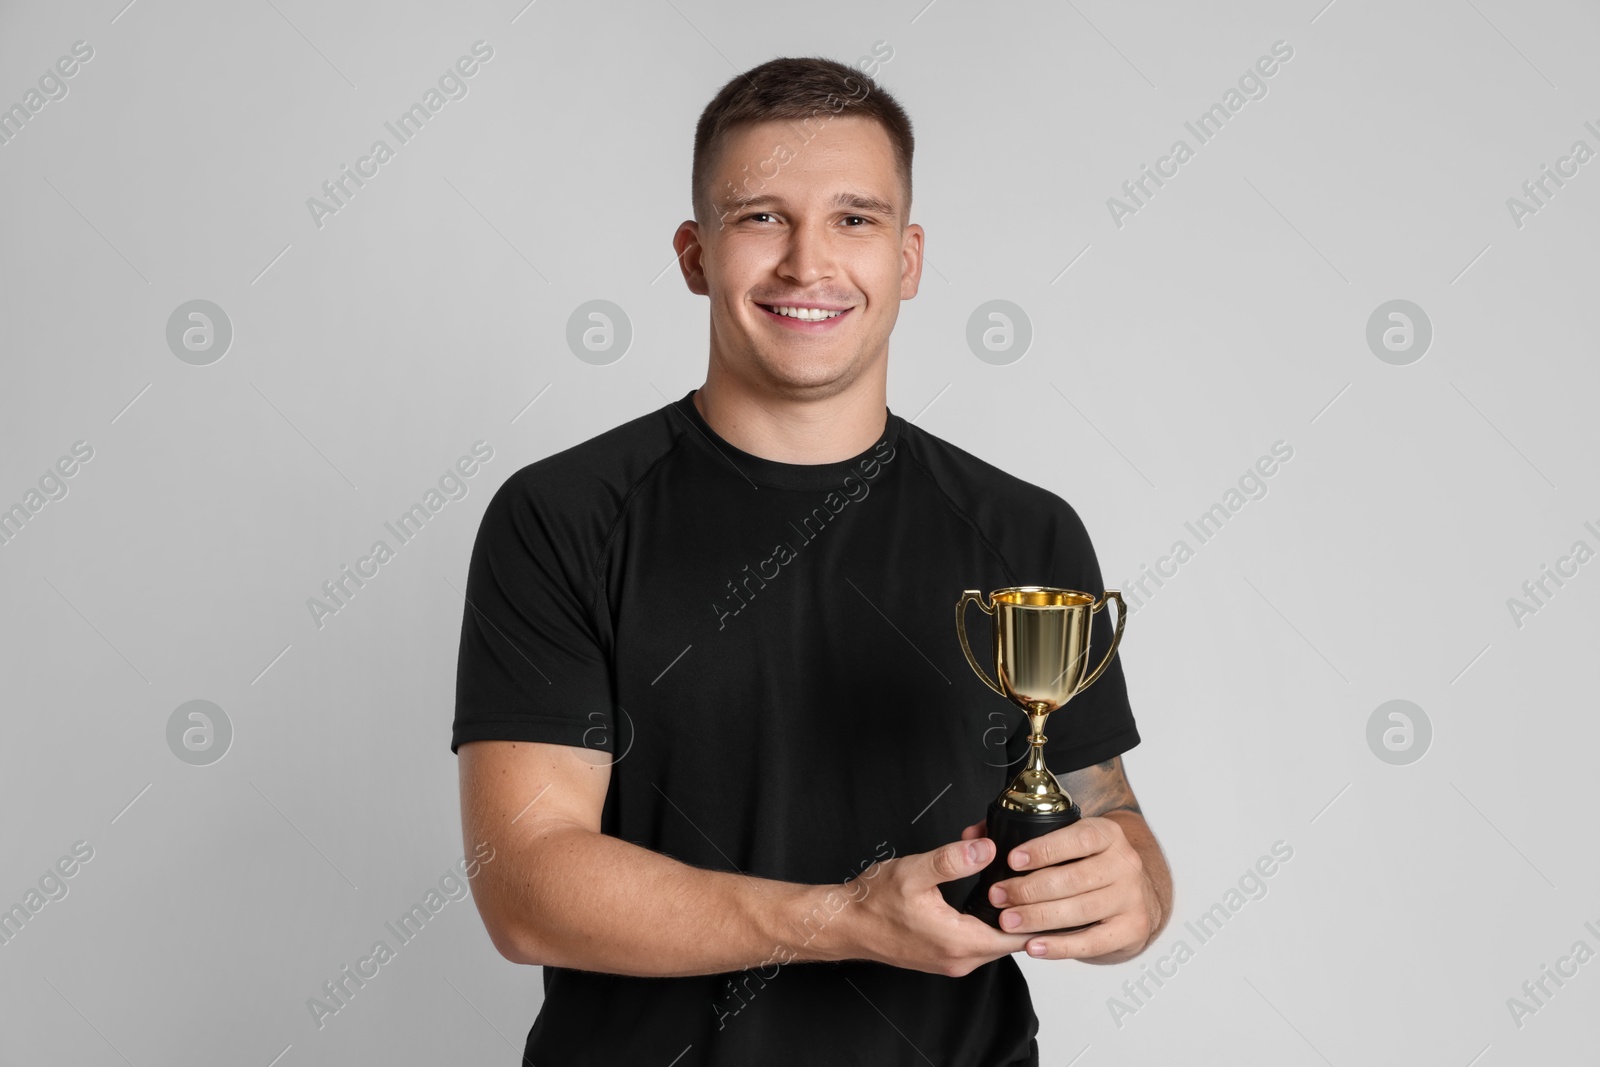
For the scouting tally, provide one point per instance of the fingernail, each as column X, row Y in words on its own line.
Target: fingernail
column 1010, row 920
column 1036, row 948
column 1019, row 860
column 997, row 894
column 972, row 852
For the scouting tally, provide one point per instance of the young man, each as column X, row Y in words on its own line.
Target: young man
column 711, row 709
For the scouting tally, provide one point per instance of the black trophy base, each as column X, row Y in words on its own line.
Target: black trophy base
column 1008, row 829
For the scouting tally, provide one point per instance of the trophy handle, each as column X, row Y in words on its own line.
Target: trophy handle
column 1122, row 617
column 976, row 597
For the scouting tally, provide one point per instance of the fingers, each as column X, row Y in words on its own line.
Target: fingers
column 1052, row 883
column 1054, row 914
column 1099, row 940
column 975, row 830
column 1088, row 837
column 959, row 859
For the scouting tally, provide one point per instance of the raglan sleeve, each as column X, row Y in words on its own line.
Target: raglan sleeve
column 1098, row 723
column 531, row 664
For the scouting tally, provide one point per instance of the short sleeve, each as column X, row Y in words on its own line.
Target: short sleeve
column 1098, row 723
column 531, row 665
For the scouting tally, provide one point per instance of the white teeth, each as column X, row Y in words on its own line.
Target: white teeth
column 809, row 314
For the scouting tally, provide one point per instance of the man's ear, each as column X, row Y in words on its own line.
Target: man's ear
column 686, row 242
column 911, row 261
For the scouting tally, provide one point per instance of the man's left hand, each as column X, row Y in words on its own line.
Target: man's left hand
column 1104, row 881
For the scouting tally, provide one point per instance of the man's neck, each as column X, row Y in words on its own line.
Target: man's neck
column 795, row 431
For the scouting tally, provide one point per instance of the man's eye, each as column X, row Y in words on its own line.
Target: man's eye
column 863, row 218
column 758, row 214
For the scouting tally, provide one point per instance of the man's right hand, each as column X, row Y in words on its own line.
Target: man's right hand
column 904, row 921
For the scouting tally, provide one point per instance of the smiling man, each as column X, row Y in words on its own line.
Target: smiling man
column 711, row 709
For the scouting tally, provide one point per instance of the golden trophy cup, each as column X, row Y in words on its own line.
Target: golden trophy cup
column 1041, row 649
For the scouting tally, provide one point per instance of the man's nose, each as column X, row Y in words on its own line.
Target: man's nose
column 809, row 256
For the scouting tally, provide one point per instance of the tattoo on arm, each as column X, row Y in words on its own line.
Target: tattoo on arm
column 1102, row 788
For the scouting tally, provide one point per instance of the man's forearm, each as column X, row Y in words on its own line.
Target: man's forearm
column 591, row 901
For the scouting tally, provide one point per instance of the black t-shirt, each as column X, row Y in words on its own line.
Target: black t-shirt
column 768, row 651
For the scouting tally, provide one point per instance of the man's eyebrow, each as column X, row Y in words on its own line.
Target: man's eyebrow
column 857, row 201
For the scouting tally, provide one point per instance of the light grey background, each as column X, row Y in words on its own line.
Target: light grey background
column 1167, row 354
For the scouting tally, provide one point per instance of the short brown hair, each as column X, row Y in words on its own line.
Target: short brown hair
column 802, row 88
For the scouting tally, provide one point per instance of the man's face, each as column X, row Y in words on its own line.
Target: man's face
column 808, row 223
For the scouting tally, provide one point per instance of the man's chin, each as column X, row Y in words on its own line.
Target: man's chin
column 809, row 380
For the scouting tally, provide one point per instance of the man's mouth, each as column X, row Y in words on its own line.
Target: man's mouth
column 803, row 316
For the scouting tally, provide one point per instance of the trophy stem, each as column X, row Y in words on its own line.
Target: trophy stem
column 1035, row 789
column 1036, row 740
column 1036, row 727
